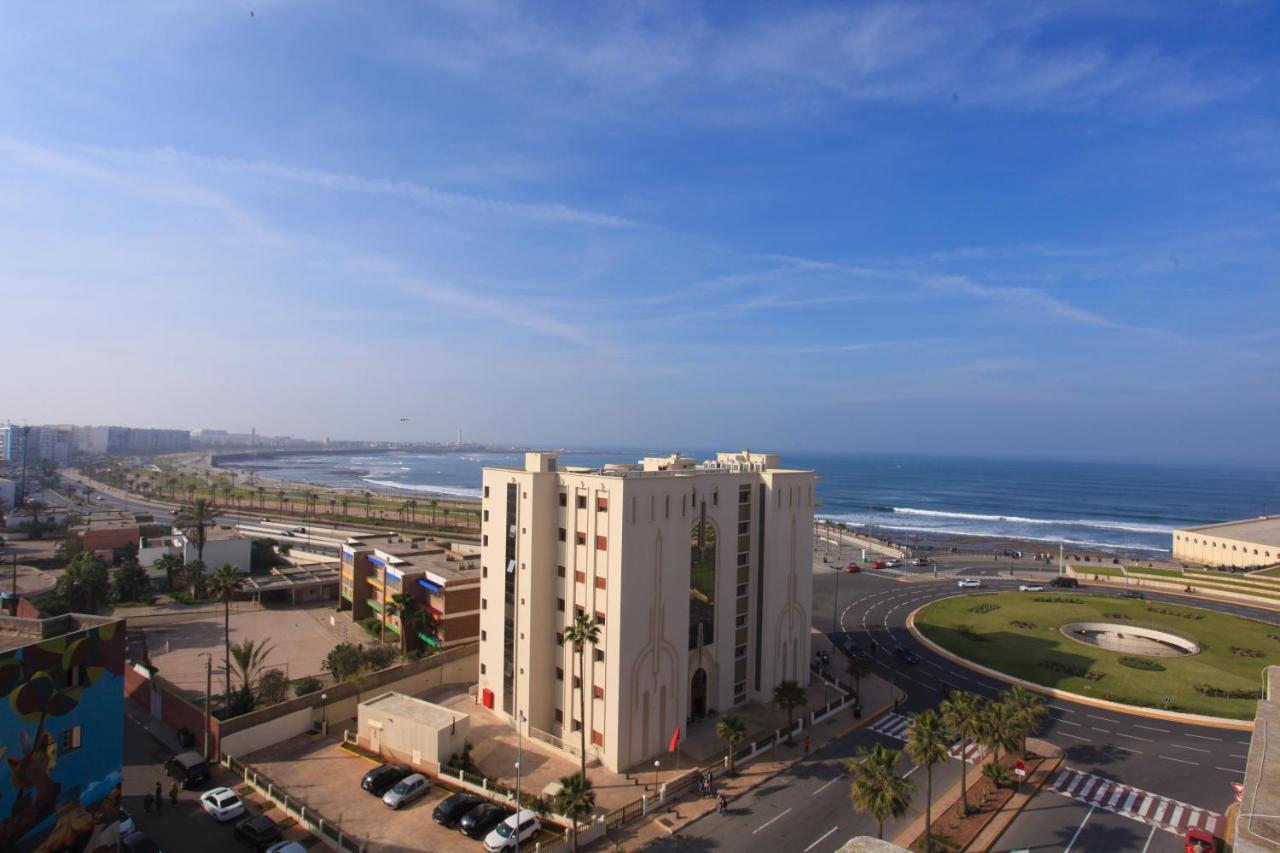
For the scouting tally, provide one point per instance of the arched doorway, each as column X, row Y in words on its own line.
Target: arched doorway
column 698, row 694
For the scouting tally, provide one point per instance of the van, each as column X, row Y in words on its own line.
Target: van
column 189, row 769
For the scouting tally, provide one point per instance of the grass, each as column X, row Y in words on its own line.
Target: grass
column 1270, row 573
column 1045, row 656
column 1088, row 569
column 1213, row 581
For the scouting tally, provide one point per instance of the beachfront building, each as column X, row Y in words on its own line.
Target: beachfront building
column 61, row 732
column 698, row 576
column 1253, row 542
column 443, row 582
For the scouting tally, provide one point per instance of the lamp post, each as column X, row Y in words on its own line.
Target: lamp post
column 656, row 764
column 324, row 714
column 208, row 690
column 520, row 720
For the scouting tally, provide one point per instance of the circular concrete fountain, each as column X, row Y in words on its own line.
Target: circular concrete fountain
column 1132, row 639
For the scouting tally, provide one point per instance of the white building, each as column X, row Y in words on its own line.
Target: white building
column 698, row 576
column 1250, row 543
column 221, row 545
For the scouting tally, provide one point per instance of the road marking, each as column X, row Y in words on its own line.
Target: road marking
column 1150, row 728
column 820, row 840
column 1134, row 737
column 1177, row 813
column 1065, row 723
column 1233, row 755
column 829, row 783
column 1191, row 748
column 1179, row 760
column 1205, row 737
column 1149, row 837
column 1130, row 802
column 1104, row 731
column 770, row 820
column 1230, row 770
column 1069, row 734
column 1079, row 828
column 1104, row 719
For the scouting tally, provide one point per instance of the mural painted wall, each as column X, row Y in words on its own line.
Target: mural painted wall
column 62, row 742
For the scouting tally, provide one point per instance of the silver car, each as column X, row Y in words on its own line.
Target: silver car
column 405, row 791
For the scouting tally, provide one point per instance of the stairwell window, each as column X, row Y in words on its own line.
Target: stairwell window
column 602, row 543
column 602, row 504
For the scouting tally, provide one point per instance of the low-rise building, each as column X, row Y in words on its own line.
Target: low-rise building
column 109, row 534
column 407, row 729
column 61, row 732
column 444, row 584
column 221, row 545
column 1252, row 542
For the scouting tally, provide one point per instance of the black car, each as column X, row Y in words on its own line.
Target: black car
column 1130, row 593
column 188, row 768
column 906, row 655
column 382, row 778
column 481, row 820
column 258, row 833
column 849, row 647
column 1065, row 583
column 138, row 842
column 453, row 808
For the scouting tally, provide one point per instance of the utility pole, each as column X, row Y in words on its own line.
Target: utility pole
column 208, row 693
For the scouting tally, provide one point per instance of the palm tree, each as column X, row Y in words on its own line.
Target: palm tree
column 345, row 503
column 250, row 657
column 195, row 520
column 584, row 630
column 367, row 495
column 224, row 584
column 575, row 801
column 858, row 669
column 877, row 789
column 432, row 504
column 731, row 729
column 280, row 499
column 999, row 729
column 788, row 696
column 35, row 507
column 963, row 716
column 927, row 744
column 1028, row 710
column 262, row 493
column 413, row 510
column 402, row 604
column 333, row 503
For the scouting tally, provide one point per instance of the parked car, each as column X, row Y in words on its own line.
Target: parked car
column 1132, row 593
column 380, row 779
column 878, row 564
column 138, row 842
column 452, row 808
column 259, row 833
column 406, row 791
column 1030, row 587
column 189, row 769
column 892, row 563
column 286, row 847
column 1065, row 583
column 920, row 561
column 849, row 647
column 520, row 827
column 222, row 804
column 906, row 654
column 852, row 569
column 481, row 820
column 1201, row 841
column 968, row 583
column 126, row 821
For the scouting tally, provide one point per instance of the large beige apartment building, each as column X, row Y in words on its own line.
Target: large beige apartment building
column 699, row 577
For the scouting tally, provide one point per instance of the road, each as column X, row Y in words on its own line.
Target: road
column 1169, row 769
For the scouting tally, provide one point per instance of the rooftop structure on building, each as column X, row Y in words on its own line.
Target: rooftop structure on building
column 698, row 576
column 1248, row 543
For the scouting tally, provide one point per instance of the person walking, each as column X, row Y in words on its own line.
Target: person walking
column 173, row 795
column 159, row 799
column 723, row 805
column 806, row 744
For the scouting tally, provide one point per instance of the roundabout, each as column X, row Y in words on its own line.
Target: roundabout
column 1148, row 654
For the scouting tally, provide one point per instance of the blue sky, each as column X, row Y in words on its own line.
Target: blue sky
column 985, row 228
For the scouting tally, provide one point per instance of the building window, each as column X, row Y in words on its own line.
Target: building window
column 575, row 726
column 581, row 501
column 602, row 504
column 559, row 716
column 599, row 583
column 486, row 515
column 602, row 543
column 484, row 540
column 560, row 604
column 740, row 621
column 484, row 604
column 740, row 651
column 69, row 740
column 597, row 691
column 597, row 655
column 582, row 538
column 715, row 497
column 486, row 491
column 597, row 738
column 564, row 499
column 482, row 669
column 599, row 618
column 559, row 639
column 484, row 635
column 580, row 577
column 742, row 589
column 559, row 673
column 577, row 682
column 560, row 571
column 484, row 571
column 563, row 534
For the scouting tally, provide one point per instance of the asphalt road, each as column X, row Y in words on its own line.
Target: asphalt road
column 1119, row 759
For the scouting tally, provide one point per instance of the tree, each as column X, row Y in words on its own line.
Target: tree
column 575, row 801
column 35, row 507
column 130, row 582
column 584, row 630
column 345, row 503
column 409, row 611
column 927, row 744
column 1027, row 709
column 262, row 493
column 788, row 696
column 195, row 520
column 963, row 716
column 280, row 499
column 999, row 729
column 226, row 581
column 367, row 495
column 249, row 657
column 195, row 578
column 343, row 661
column 877, row 789
column 273, row 687
column 84, row 584
column 858, row 669
column 432, row 505
column 169, row 564
column 731, row 729
column 412, row 503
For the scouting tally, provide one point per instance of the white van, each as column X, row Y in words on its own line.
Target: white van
column 522, row 825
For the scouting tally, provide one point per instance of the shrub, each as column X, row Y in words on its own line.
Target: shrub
column 1142, row 663
column 1247, row 653
column 1122, row 617
column 984, row 608
column 379, row 657
column 273, row 687
column 463, row 761
column 1223, row 693
column 1026, row 626
column 1181, row 614
column 1067, row 669
column 968, row 633
column 372, row 626
column 305, row 685
column 1057, row 599
column 997, row 774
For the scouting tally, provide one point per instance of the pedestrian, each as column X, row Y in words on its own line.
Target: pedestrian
column 146, row 803
column 895, row 704
column 806, row 744
column 159, row 798
column 723, row 804
column 173, row 795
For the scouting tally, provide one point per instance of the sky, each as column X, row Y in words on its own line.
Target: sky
column 988, row 228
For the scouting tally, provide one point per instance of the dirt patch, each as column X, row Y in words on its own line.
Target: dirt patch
column 954, row 831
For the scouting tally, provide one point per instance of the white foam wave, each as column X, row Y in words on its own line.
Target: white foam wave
column 1084, row 543
column 455, row 491
column 1017, row 519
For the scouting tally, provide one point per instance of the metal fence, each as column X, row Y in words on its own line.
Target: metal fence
column 327, row 830
column 626, row 813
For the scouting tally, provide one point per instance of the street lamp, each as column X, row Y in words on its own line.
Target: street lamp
column 656, row 764
column 520, row 720
column 324, row 713
column 208, row 690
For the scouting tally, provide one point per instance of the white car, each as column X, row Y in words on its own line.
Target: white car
column 521, row 826
column 406, row 791
column 1030, row 587
column 892, row 563
column 126, row 823
column 286, row 847
column 968, row 582
column 222, row 804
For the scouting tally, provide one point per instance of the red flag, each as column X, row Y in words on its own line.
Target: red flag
column 675, row 739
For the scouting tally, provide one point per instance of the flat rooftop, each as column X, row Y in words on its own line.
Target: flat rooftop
column 673, row 465
column 422, row 555
column 1263, row 530
column 16, row 632
column 404, row 707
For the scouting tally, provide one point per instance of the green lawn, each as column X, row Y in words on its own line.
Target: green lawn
column 1271, row 573
column 1021, row 637
column 1090, row 569
column 1211, row 581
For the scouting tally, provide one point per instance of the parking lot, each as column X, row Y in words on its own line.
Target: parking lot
column 327, row 778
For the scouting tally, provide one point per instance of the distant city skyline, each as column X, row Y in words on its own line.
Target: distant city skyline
column 991, row 229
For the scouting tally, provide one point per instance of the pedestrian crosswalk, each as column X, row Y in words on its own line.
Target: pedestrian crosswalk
column 898, row 727
column 1134, row 803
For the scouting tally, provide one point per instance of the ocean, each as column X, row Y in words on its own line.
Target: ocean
column 1087, row 505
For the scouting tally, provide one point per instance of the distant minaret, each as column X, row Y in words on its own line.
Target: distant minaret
column 459, row 437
